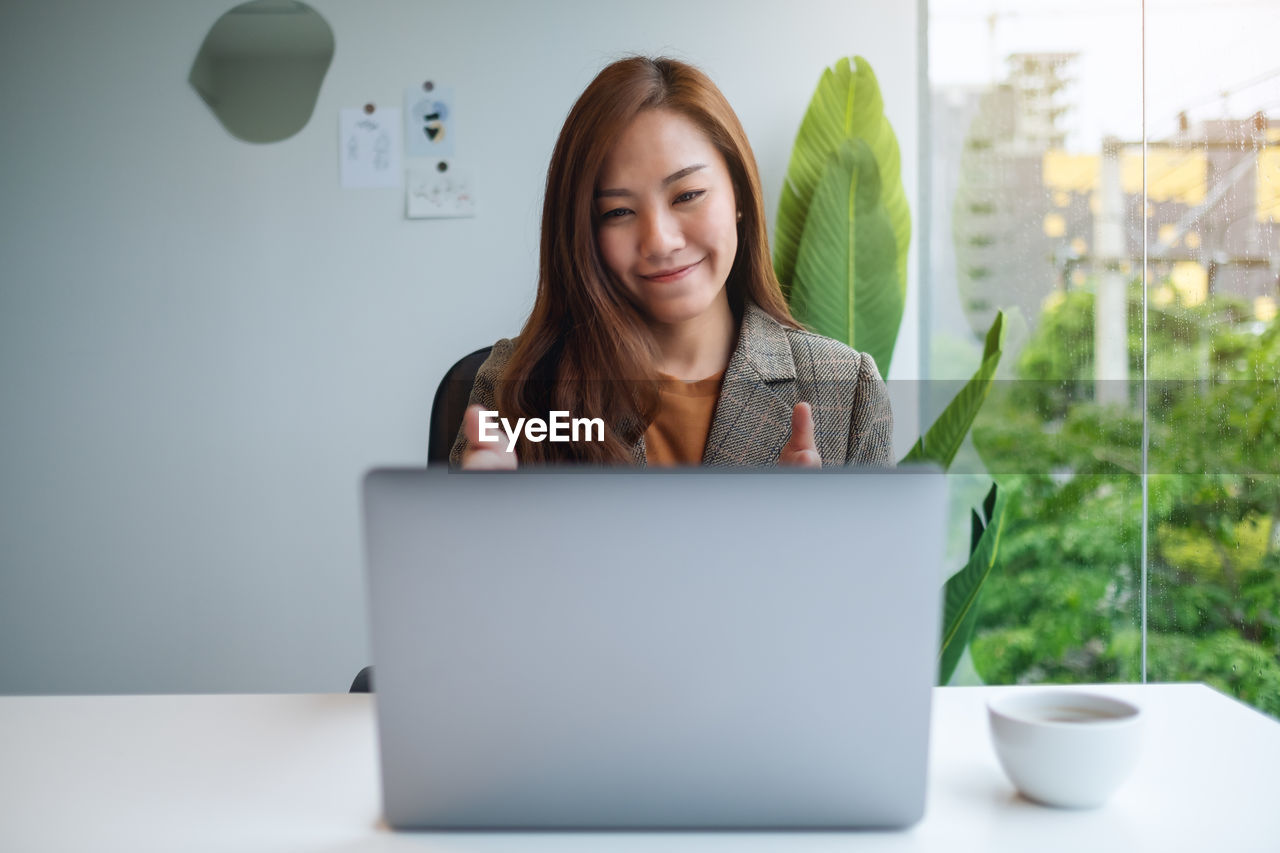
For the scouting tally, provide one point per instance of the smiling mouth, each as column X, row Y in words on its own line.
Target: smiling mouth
column 673, row 274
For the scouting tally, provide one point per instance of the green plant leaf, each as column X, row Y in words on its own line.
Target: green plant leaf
column 845, row 276
column 962, row 590
column 946, row 435
column 846, row 105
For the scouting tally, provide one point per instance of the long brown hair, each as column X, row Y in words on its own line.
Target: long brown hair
column 586, row 348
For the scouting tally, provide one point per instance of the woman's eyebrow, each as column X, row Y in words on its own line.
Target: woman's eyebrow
column 667, row 181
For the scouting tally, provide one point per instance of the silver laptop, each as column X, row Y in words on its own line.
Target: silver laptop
column 654, row 648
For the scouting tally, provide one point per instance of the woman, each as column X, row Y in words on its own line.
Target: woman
column 658, row 310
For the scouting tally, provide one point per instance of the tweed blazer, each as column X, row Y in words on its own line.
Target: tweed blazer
column 771, row 369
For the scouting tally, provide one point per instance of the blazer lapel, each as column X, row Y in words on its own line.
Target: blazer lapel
column 752, row 420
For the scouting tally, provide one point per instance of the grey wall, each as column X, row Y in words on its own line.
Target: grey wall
column 204, row 343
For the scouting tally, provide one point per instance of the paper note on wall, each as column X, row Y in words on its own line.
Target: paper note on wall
column 369, row 148
column 429, row 121
column 438, row 190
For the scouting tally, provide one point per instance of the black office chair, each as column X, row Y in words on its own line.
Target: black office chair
column 450, row 404
column 447, row 409
column 363, row 682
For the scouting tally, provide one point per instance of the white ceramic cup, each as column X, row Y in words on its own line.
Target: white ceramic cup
column 1063, row 747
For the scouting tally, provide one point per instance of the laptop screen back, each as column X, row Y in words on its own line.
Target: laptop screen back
column 654, row 648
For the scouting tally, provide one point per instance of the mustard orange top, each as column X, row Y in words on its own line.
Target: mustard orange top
column 678, row 436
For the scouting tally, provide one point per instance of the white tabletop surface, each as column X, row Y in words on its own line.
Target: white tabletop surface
column 299, row 772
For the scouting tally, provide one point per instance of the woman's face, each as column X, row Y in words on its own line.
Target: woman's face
column 666, row 217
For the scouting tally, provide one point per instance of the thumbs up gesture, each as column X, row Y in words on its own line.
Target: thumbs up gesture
column 801, row 449
column 483, row 455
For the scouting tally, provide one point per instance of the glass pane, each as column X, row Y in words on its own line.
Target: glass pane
column 1213, row 193
column 1036, row 128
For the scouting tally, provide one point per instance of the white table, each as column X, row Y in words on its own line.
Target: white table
column 299, row 772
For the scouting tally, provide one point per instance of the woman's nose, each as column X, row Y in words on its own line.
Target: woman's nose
column 660, row 235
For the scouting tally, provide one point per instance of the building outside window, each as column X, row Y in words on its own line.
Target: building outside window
column 1131, row 235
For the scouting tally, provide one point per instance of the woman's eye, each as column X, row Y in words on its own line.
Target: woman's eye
column 689, row 196
column 616, row 213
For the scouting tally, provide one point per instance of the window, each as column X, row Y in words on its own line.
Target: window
column 1136, row 257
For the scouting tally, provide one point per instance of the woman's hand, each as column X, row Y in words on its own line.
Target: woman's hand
column 484, row 455
column 801, row 449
